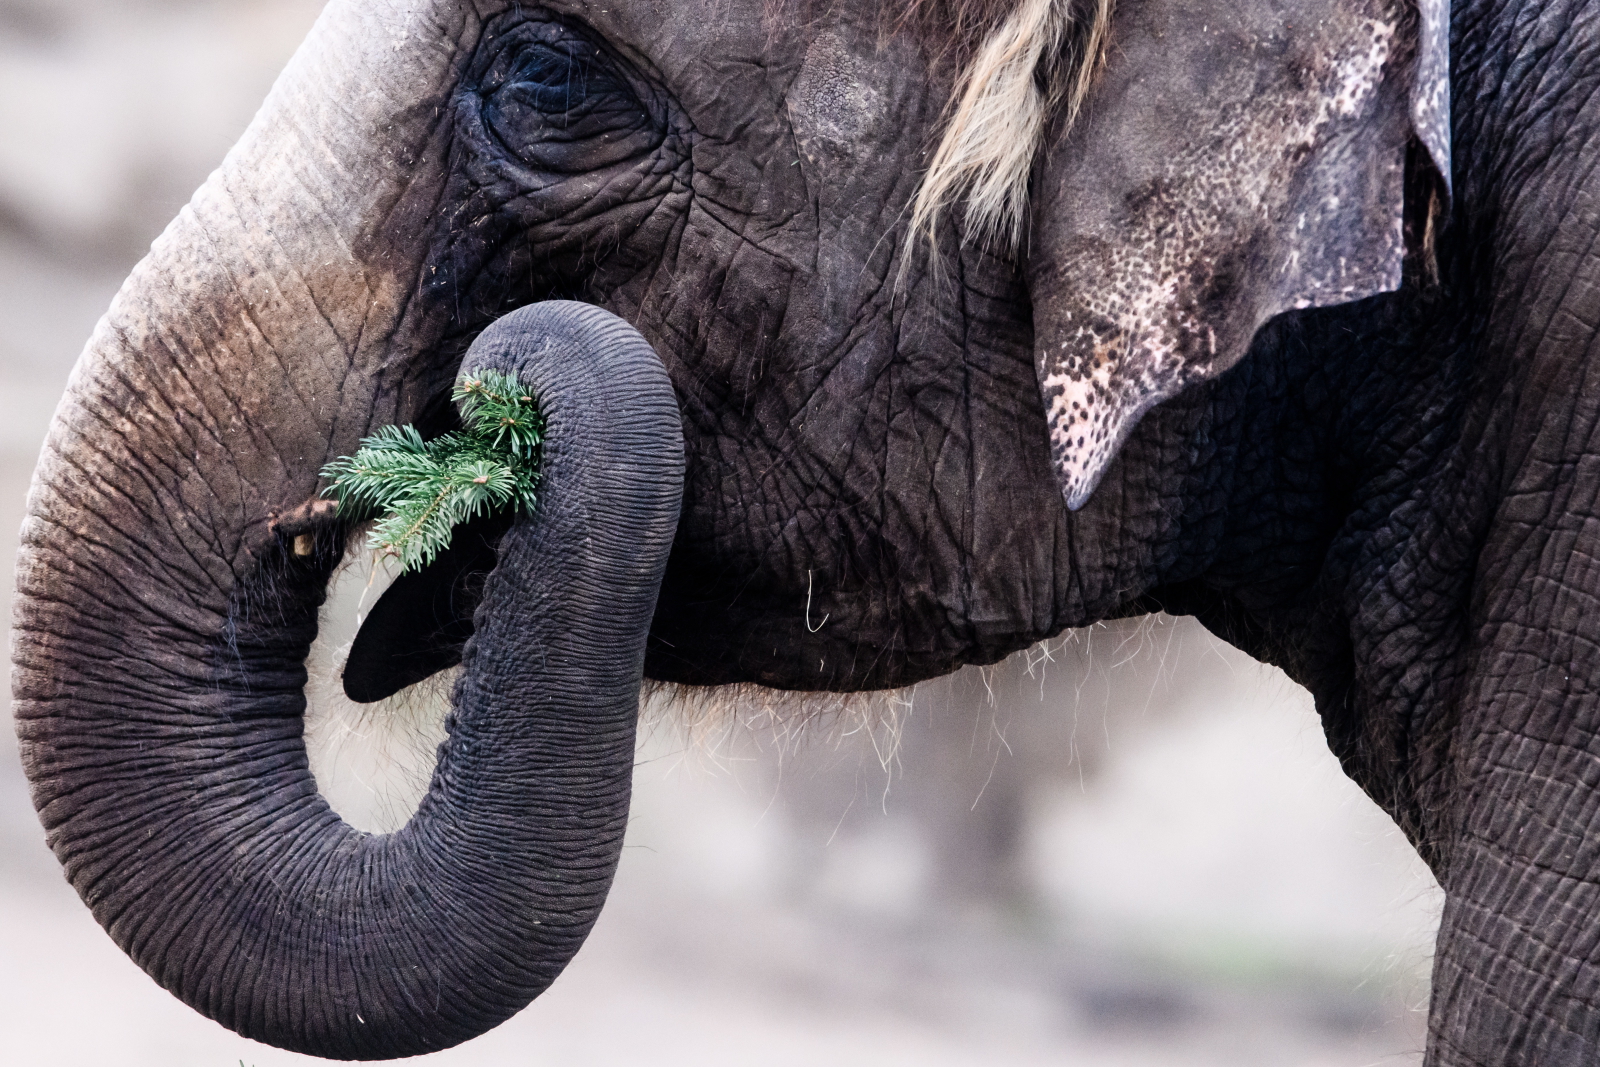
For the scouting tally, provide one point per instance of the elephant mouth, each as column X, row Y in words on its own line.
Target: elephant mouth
column 420, row 624
column 380, row 672
column 372, row 760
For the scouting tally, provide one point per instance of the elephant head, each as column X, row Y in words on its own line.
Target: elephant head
column 874, row 342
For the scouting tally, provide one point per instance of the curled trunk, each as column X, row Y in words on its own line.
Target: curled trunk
column 159, row 681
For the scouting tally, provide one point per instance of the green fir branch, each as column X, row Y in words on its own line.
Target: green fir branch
column 420, row 491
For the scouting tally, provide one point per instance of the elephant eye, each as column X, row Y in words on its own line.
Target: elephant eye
column 557, row 80
column 555, row 100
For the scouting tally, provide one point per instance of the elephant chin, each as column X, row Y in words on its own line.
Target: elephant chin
column 164, row 739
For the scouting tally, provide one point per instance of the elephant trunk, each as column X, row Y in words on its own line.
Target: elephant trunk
column 159, row 690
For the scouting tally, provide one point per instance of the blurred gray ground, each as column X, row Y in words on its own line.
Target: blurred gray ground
column 1138, row 853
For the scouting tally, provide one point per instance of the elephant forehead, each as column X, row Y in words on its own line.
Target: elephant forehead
column 831, row 67
column 834, row 103
column 724, row 60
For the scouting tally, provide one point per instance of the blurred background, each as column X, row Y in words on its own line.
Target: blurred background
column 1127, row 847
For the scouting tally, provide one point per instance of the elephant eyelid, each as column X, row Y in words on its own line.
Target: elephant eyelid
column 564, row 71
column 547, row 52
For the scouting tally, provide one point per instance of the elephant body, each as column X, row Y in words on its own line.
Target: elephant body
column 1295, row 338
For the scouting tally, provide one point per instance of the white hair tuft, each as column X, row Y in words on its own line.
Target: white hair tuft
column 1027, row 66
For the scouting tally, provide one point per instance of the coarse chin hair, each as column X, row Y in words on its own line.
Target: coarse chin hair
column 710, row 720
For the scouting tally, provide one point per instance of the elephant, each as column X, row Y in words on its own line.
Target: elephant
column 874, row 341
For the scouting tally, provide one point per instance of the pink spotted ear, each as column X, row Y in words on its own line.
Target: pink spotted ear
column 1235, row 161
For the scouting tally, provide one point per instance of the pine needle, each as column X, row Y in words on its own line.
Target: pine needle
column 420, row 491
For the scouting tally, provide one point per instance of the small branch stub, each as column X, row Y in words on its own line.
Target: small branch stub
column 299, row 525
column 421, row 490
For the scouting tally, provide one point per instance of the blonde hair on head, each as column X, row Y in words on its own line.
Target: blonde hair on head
column 1041, row 57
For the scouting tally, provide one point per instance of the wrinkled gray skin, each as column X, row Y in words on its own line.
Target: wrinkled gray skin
column 1392, row 498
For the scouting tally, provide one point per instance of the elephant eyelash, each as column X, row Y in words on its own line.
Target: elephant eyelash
column 560, row 80
column 1042, row 57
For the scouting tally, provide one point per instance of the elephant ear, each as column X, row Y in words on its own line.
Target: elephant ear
column 1233, row 162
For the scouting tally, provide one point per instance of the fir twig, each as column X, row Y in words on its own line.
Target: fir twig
column 421, row 490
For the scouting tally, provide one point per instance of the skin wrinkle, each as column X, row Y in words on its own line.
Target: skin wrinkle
column 114, row 430
column 964, row 537
column 332, row 227
column 132, row 563
column 176, row 366
column 354, row 344
column 1542, row 337
column 239, row 292
column 1517, row 1040
column 171, row 416
column 1530, row 929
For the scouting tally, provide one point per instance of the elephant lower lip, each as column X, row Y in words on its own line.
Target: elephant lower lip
column 372, row 762
column 422, row 622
